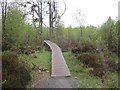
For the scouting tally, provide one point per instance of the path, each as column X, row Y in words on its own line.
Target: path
column 60, row 71
column 59, row 66
column 59, row 82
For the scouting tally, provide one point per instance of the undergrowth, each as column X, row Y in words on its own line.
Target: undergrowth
column 83, row 74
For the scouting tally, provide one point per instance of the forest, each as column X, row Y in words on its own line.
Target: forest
column 91, row 52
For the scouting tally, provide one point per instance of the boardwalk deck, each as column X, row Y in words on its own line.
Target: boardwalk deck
column 59, row 66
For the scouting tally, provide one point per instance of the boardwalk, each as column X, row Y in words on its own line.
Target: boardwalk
column 59, row 66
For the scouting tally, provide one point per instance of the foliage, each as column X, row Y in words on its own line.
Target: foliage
column 109, row 33
column 19, row 32
column 16, row 71
column 14, row 26
column 18, row 35
column 89, row 56
column 5, row 45
column 89, row 60
column 87, row 80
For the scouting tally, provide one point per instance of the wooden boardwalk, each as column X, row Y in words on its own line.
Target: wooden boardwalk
column 59, row 66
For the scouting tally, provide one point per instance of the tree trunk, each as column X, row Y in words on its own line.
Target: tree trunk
column 4, row 11
column 50, row 24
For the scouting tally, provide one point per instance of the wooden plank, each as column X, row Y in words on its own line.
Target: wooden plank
column 59, row 66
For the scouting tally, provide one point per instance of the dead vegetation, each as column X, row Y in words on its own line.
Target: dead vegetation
column 30, row 50
column 90, row 60
column 100, row 72
column 112, row 66
column 5, row 45
column 84, row 48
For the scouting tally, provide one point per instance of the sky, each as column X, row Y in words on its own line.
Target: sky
column 96, row 11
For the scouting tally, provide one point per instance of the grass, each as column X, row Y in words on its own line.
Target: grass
column 82, row 74
column 76, row 68
column 42, row 59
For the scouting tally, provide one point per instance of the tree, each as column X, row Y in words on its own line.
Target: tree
column 54, row 18
column 79, row 18
column 4, row 11
column 14, row 25
column 106, row 31
column 36, row 11
column 59, row 34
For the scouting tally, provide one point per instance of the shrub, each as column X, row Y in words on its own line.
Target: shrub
column 112, row 66
column 88, row 48
column 76, row 49
column 89, row 60
column 15, row 49
column 38, row 47
column 29, row 50
column 85, row 48
column 99, row 72
column 5, row 45
column 16, row 71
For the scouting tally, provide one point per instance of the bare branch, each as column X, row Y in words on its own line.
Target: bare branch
column 64, row 9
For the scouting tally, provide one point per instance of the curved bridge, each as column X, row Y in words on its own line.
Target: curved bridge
column 59, row 66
